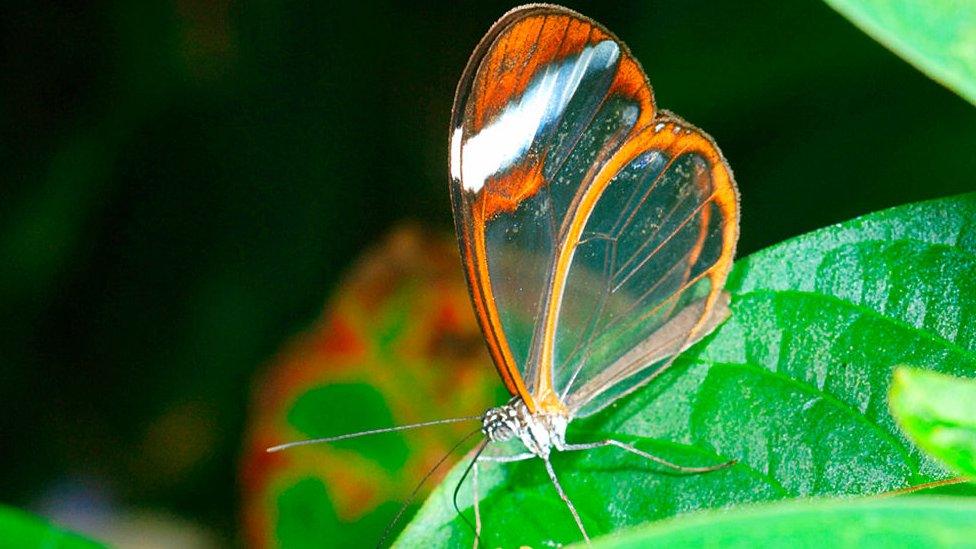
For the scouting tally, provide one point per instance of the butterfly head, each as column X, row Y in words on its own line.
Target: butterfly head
column 502, row 422
column 538, row 432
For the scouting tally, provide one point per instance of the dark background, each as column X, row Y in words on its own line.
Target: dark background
column 183, row 183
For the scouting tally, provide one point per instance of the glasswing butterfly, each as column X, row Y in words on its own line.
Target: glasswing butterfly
column 596, row 231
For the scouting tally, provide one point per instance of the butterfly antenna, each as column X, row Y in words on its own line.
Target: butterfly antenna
column 413, row 494
column 457, row 489
column 285, row 446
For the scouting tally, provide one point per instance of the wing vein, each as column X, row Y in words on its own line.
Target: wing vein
column 664, row 242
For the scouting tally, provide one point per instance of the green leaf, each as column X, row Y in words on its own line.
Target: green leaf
column 938, row 413
column 937, row 36
column 793, row 386
column 20, row 529
column 319, row 412
column 916, row 522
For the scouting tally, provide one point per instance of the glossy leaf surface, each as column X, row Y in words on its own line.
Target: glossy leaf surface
column 793, row 385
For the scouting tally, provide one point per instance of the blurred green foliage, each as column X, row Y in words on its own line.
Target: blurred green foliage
column 937, row 36
column 398, row 344
column 21, row 529
column 918, row 523
column 184, row 181
column 938, row 412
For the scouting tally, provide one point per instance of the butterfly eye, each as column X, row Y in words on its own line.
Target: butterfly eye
column 497, row 425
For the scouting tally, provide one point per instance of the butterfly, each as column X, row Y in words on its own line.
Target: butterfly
column 596, row 231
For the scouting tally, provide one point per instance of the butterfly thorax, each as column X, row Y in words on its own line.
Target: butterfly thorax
column 539, row 432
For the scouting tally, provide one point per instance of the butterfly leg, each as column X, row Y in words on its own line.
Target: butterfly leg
column 507, row 459
column 474, row 481
column 566, row 500
column 645, row 455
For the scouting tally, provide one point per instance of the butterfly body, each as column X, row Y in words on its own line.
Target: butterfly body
column 539, row 432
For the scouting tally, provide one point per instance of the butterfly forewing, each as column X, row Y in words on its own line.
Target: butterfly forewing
column 586, row 223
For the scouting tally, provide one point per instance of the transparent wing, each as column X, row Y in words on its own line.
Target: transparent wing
column 587, row 225
column 648, row 268
column 649, row 358
column 546, row 99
